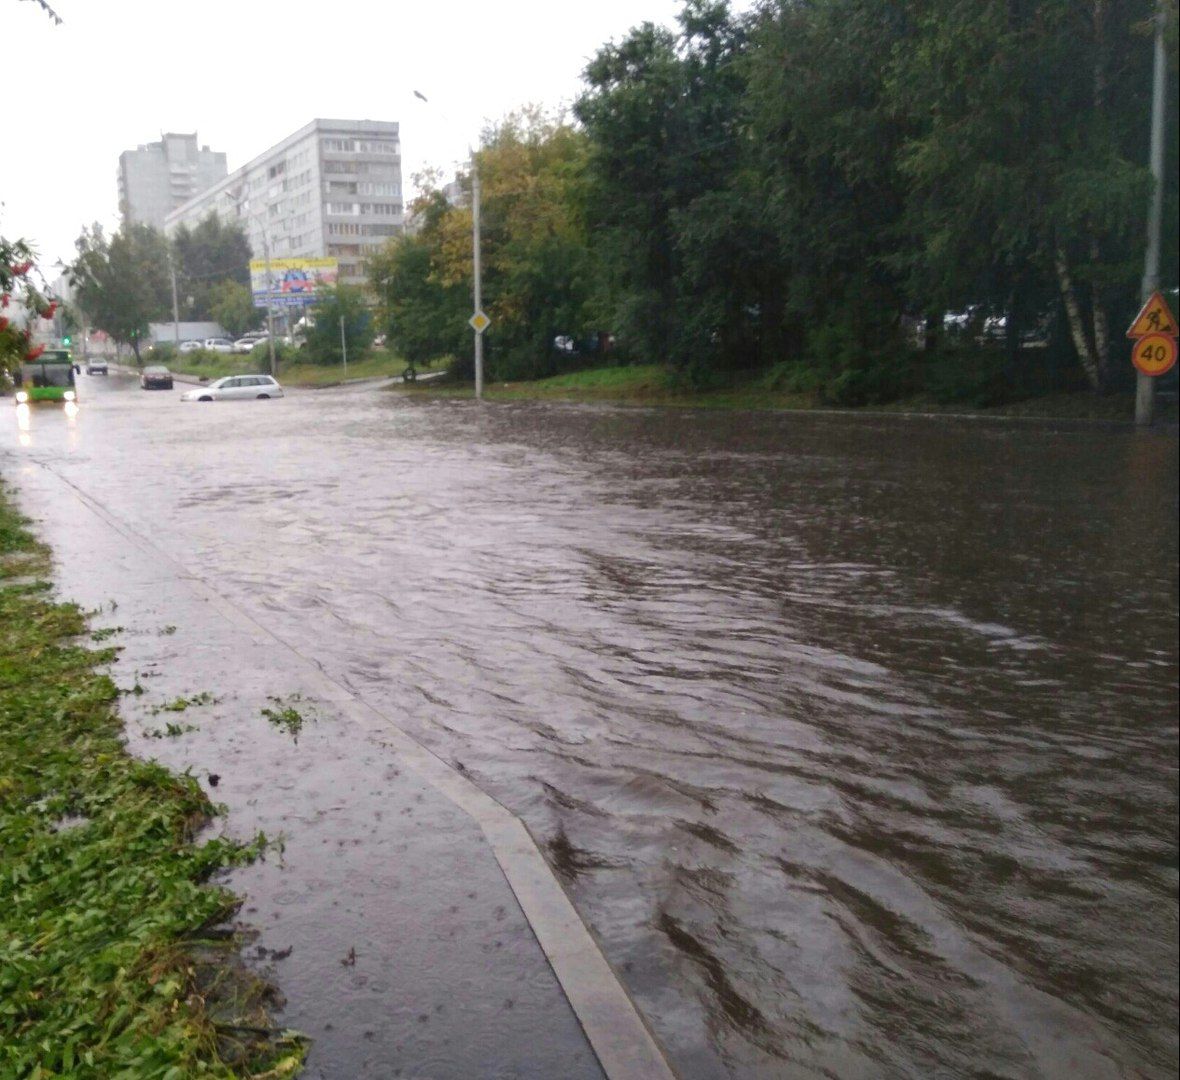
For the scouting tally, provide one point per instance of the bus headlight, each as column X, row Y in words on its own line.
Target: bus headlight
column 69, row 395
column 22, row 397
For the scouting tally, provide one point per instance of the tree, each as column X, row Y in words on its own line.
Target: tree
column 822, row 150
column 631, row 113
column 423, row 318
column 331, row 305
column 20, row 301
column 538, row 278
column 1027, row 174
column 206, row 255
column 123, row 283
column 231, row 304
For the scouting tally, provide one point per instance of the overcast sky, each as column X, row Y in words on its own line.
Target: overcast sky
column 244, row 74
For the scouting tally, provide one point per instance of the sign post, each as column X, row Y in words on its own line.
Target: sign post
column 1154, row 334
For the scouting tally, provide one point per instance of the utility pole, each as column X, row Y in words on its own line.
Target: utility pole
column 270, row 311
column 477, row 273
column 1145, row 384
column 175, row 305
column 478, row 276
column 343, row 347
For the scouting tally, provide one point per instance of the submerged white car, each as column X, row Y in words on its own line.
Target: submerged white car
column 236, row 386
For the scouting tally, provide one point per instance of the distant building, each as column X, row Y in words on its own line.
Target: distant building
column 156, row 178
column 331, row 189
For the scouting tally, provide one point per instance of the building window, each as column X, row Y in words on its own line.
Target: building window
column 370, row 187
column 381, row 209
column 377, row 147
column 343, row 208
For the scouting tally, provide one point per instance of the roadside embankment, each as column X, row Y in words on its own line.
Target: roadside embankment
column 109, row 963
column 650, row 385
column 377, row 365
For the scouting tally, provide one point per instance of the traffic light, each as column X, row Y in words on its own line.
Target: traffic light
column 66, row 340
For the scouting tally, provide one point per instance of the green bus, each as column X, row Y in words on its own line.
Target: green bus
column 48, row 378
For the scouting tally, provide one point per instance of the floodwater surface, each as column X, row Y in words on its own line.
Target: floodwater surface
column 854, row 739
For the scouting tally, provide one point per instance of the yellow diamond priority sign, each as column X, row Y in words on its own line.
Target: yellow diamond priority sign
column 479, row 322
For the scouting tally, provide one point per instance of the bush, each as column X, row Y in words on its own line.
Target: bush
column 842, row 371
column 284, row 354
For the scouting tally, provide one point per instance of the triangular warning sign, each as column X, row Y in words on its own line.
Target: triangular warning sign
column 1155, row 318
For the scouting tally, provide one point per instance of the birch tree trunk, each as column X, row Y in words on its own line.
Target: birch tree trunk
column 1077, row 324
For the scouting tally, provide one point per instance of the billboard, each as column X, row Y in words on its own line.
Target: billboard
column 291, row 282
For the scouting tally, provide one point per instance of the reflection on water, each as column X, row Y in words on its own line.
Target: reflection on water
column 854, row 739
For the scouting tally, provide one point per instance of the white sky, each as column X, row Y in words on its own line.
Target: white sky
column 244, row 74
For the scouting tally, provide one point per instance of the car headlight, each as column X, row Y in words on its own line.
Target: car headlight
column 21, row 397
column 69, row 395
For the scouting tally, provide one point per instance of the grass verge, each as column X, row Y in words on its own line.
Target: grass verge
column 376, row 365
column 650, row 384
column 111, row 963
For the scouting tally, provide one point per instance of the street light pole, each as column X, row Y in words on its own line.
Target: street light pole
column 270, row 315
column 1145, row 384
column 175, row 305
column 270, row 311
column 477, row 271
column 478, row 275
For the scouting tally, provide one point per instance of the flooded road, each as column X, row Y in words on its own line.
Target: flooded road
column 854, row 739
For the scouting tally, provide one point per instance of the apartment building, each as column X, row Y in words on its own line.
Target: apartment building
column 155, row 178
column 332, row 188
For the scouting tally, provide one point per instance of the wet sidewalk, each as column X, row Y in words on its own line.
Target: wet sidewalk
column 382, row 910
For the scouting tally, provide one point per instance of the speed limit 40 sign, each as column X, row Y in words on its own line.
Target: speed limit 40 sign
column 1154, row 354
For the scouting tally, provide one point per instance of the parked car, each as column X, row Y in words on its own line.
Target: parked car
column 96, row 366
column 246, row 343
column 218, row 344
column 236, row 386
column 190, row 346
column 156, row 378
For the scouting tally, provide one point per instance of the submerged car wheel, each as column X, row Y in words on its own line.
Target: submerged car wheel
column 264, row 397
column 205, row 397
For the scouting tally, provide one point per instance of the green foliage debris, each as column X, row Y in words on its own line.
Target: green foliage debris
column 106, row 967
column 181, row 703
column 284, row 715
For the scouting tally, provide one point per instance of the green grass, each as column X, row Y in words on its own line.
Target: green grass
column 375, row 365
column 109, row 964
column 651, row 384
column 214, row 365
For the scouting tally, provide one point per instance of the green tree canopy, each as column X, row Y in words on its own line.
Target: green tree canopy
column 231, row 304
column 331, row 306
column 122, row 284
column 207, row 255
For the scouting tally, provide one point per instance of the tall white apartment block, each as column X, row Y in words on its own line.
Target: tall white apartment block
column 333, row 188
column 156, row 178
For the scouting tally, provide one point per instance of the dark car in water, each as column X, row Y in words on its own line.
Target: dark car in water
column 156, row 378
